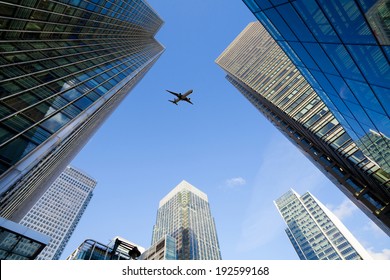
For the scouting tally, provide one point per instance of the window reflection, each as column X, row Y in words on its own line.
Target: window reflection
column 55, row 122
column 384, row 97
column 378, row 18
column 316, row 20
column 300, row 29
column 365, row 96
column 321, row 57
column 343, row 61
column 372, row 63
column 280, row 24
column 348, row 21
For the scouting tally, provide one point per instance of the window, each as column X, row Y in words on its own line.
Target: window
column 55, row 122
column 316, row 21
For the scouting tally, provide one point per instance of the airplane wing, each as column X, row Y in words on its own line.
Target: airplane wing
column 187, row 93
column 188, row 101
column 174, row 93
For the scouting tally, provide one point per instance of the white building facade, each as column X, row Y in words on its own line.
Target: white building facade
column 59, row 210
column 315, row 232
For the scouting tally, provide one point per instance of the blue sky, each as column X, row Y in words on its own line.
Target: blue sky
column 221, row 145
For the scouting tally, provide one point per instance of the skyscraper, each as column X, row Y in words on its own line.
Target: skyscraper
column 342, row 49
column 59, row 210
column 315, row 232
column 184, row 213
column 65, row 66
column 263, row 73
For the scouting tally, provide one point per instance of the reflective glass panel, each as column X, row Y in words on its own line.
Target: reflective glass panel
column 325, row 84
column 372, row 63
column 304, row 55
column 280, row 24
column 299, row 28
column 340, row 105
column 357, row 129
column 342, row 88
column 321, row 57
column 55, row 122
column 365, row 96
column 316, row 20
column 291, row 53
column 381, row 122
column 377, row 13
column 348, row 21
column 251, row 5
column 387, row 51
column 383, row 95
column 359, row 114
column 343, row 61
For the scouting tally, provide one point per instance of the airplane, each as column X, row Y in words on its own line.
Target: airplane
column 181, row 97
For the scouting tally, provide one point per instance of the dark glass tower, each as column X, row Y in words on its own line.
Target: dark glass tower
column 342, row 48
column 64, row 67
column 263, row 73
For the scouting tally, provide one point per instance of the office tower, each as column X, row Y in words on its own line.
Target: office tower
column 65, row 66
column 163, row 249
column 184, row 213
column 315, row 232
column 263, row 73
column 118, row 249
column 59, row 210
column 342, row 49
column 18, row 242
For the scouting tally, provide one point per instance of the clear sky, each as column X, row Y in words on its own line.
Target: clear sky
column 221, row 145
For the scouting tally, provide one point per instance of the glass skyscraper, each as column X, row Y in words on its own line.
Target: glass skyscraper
column 184, row 214
column 65, row 66
column 315, row 232
column 263, row 73
column 59, row 210
column 342, row 48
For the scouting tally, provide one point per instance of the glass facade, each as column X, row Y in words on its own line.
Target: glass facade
column 342, row 48
column 315, row 232
column 18, row 242
column 64, row 67
column 59, row 210
column 185, row 215
column 263, row 73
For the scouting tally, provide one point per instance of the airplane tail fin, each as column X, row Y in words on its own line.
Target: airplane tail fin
column 173, row 101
